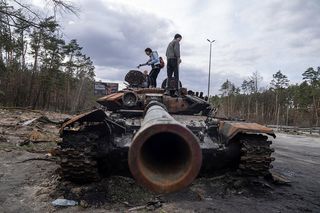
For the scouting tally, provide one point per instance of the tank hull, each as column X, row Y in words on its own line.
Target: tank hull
column 162, row 141
column 109, row 150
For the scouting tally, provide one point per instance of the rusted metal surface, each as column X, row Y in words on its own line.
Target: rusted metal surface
column 187, row 105
column 91, row 116
column 137, row 135
column 175, row 105
column 77, row 165
column 112, row 101
column 141, row 97
column 255, row 159
column 111, row 97
column 230, row 129
column 164, row 156
column 130, row 99
column 137, row 98
column 79, row 151
column 255, row 151
column 134, row 78
column 149, row 90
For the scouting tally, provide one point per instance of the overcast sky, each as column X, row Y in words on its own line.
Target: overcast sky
column 251, row 35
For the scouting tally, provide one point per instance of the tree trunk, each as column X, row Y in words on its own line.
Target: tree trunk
column 249, row 102
column 276, row 109
column 278, row 117
column 262, row 113
column 76, row 103
column 287, row 120
column 257, row 111
column 315, row 110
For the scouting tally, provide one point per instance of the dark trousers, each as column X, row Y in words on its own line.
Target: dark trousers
column 173, row 68
column 153, row 76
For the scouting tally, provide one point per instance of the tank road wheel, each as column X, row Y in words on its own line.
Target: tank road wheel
column 255, row 159
column 78, row 155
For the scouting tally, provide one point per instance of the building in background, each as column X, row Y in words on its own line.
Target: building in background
column 105, row 88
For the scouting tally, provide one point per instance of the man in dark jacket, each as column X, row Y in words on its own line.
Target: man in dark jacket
column 173, row 61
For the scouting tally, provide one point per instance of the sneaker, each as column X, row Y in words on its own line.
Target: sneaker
column 176, row 94
column 167, row 92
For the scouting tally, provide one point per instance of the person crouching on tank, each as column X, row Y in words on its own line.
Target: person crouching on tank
column 154, row 62
column 146, row 82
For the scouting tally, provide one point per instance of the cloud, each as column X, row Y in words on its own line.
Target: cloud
column 115, row 35
column 263, row 36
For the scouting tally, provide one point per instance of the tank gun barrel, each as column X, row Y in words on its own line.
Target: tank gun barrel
column 165, row 156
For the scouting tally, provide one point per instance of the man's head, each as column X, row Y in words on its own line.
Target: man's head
column 145, row 72
column 177, row 37
column 148, row 51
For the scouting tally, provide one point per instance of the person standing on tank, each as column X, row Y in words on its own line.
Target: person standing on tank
column 173, row 61
column 154, row 62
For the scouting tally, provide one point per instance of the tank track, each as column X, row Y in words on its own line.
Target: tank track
column 78, row 156
column 255, row 158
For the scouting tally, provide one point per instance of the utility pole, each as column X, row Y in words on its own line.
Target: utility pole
column 209, row 66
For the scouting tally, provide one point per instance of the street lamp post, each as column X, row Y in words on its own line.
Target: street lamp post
column 209, row 66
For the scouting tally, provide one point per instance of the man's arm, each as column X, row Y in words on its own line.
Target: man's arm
column 147, row 63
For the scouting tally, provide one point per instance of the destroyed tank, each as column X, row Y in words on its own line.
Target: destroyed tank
column 163, row 141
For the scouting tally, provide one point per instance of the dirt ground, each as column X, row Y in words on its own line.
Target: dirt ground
column 31, row 186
